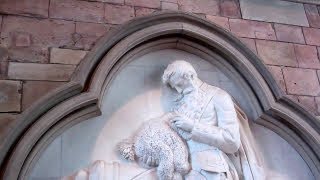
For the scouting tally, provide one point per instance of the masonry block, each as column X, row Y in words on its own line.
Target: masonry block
column 10, row 95
column 144, row 3
column 274, row 11
column 77, row 10
column 276, row 53
column 66, row 56
column 29, row 54
column 221, row 21
column 230, row 8
column 312, row 15
column 312, row 36
column 141, row 11
column 210, row 7
column 276, row 71
column 42, row 32
column 250, row 43
column 35, row 8
column 309, row 103
column 34, row 90
column 289, row 33
column 7, row 120
column 3, row 62
column 252, row 29
column 115, row 14
column 307, row 56
column 88, row 33
column 112, row 1
column 169, row 6
column 301, row 81
column 317, row 100
column 46, row 72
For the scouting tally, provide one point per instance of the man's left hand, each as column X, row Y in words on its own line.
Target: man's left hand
column 182, row 124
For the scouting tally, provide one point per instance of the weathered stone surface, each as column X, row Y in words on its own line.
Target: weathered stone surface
column 43, row 32
column 230, row 8
column 274, row 11
column 307, row 56
column 3, row 62
column 115, row 14
column 3, row 69
column 141, row 11
column 88, row 33
column 29, row 54
column 252, row 29
column 221, row 21
column 250, row 43
column 143, row 3
column 32, row 71
column 301, row 81
column 37, row 8
column 293, row 97
column 210, row 7
column 317, row 100
column 10, row 95
column 172, row 1
column 312, row 36
column 22, row 39
column 112, row 1
column 77, row 10
column 66, row 56
column 169, row 6
column 289, row 33
column 6, row 123
column 308, row 102
column 312, row 15
column 24, row 42
column 276, row 71
column 34, row 90
column 276, row 53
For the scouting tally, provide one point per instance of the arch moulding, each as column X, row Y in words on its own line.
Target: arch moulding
column 80, row 98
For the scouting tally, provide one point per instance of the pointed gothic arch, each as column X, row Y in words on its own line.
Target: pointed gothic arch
column 80, row 98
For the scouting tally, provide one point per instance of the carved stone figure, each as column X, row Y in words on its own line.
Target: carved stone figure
column 158, row 140
column 208, row 117
column 209, row 121
column 216, row 130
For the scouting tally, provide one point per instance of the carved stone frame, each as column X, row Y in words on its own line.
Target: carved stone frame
column 80, row 99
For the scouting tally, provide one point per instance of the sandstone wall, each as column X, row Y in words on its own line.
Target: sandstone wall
column 42, row 41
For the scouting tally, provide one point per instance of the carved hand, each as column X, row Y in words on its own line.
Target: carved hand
column 183, row 124
column 149, row 161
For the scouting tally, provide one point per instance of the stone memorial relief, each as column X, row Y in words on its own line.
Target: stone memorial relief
column 175, row 118
column 202, row 127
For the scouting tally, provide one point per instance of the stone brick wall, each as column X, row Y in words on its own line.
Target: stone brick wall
column 42, row 41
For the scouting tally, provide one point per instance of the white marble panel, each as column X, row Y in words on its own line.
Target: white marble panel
column 78, row 143
column 49, row 164
column 136, row 95
column 281, row 160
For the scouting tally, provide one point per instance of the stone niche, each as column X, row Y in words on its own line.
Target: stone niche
column 136, row 94
column 118, row 86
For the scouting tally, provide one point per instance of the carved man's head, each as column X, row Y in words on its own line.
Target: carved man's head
column 180, row 75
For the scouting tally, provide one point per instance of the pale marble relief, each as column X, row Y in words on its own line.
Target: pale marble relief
column 205, row 118
column 137, row 95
